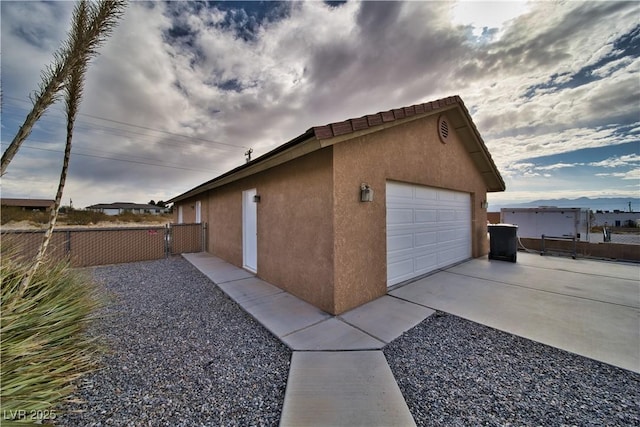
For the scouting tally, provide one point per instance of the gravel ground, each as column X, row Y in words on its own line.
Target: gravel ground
column 178, row 353
column 455, row 372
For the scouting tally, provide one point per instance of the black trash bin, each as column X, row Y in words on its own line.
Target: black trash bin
column 503, row 240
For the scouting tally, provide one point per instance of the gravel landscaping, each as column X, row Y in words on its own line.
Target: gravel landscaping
column 178, row 353
column 455, row 372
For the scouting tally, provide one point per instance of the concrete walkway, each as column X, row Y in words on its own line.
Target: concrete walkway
column 338, row 375
column 586, row 307
column 343, row 388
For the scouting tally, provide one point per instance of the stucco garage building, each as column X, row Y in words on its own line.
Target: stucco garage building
column 296, row 216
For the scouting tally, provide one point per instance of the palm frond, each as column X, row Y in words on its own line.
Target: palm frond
column 44, row 342
column 101, row 20
column 91, row 24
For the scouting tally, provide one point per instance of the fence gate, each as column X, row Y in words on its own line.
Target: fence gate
column 99, row 246
column 185, row 238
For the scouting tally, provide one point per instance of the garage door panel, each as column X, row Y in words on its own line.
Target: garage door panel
column 400, row 242
column 453, row 196
column 427, row 228
column 447, row 248
column 426, row 263
column 401, row 269
column 399, row 216
column 446, row 215
column 462, row 215
column 447, row 196
column 425, row 193
column 455, row 204
column 425, row 239
column 456, row 218
column 423, row 216
column 400, row 192
column 458, row 236
column 456, row 253
column 401, row 253
column 411, row 253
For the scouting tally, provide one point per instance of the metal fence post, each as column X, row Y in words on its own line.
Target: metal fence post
column 167, row 240
column 204, row 237
column 68, row 243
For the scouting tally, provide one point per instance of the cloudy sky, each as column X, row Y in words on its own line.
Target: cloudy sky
column 181, row 90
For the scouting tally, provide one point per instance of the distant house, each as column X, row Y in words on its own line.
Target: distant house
column 343, row 211
column 616, row 218
column 125, row 207
column 28, row 204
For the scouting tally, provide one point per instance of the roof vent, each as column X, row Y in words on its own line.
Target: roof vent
column 443, row 129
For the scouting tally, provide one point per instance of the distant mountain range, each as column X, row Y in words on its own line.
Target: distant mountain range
column 602, row 203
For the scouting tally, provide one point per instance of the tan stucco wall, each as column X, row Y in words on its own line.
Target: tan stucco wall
column 189, row 209
column 295, row 226
column 316, row 240
column 224, row 223
column 412, row 153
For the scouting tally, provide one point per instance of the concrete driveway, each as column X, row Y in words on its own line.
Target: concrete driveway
column 587, row 307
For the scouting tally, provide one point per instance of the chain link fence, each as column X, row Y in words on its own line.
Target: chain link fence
column 625, row 236
column 185, row 238
column 85, row 247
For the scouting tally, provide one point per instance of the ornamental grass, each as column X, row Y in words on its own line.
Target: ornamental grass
column 44, row 346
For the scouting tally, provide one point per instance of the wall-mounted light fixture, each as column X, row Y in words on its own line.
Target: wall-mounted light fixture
column 256, row 198
column 484, row 204
column 366, row 193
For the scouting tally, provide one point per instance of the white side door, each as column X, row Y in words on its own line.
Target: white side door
column 198, row 212
column 249, row 231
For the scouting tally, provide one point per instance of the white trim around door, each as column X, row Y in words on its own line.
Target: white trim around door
column 198, row 212
column 249, row 231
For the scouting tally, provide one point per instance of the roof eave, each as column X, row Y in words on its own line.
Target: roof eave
column 324, row 136
column 297, row 147
column 457, row 113
column 477, row 149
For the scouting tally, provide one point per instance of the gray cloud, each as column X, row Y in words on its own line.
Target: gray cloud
column 257, row 79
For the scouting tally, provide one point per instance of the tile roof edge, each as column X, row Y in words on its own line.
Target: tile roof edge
column 370, row 120
column 352, row 125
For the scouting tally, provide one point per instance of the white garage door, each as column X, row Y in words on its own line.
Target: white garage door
column 427, row 228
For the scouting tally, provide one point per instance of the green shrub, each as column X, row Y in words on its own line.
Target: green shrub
column 45, row 348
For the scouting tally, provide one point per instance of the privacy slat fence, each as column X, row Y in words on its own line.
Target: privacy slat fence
column 622, row 252
column 86, row 247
